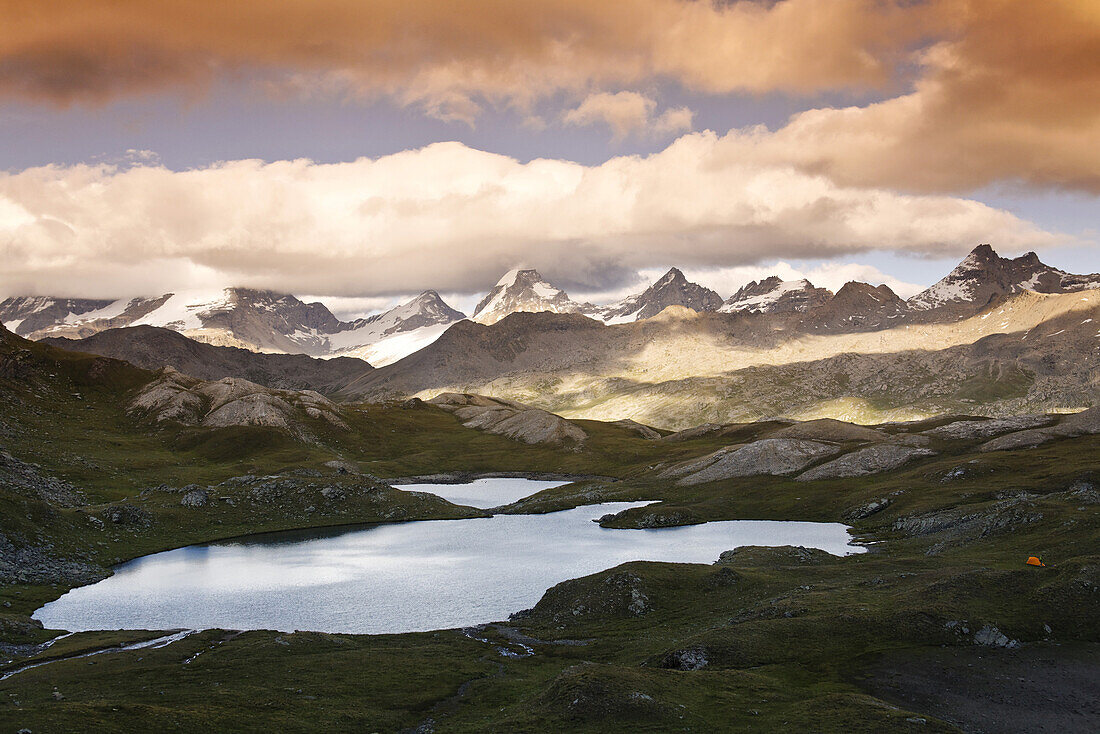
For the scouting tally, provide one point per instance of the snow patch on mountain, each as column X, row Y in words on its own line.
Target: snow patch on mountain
column 185, row 311
column 390, row 349
column 983, row 274
column 522, row 290
column 773, row 295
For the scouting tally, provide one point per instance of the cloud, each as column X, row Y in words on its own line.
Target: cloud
column 975, row 91
column 452, row 218
column 448, row 54
column 628, row 113
column 1013, row 96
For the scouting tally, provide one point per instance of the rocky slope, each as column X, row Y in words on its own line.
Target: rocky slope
column 152, row 347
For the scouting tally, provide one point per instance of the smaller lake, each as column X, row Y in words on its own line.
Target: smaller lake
column 484, row 493
column 404, row 577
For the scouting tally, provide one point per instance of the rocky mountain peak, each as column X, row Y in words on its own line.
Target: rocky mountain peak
column 427, row 309
column 774, row 295
column 522, row 290
column 857, row 306
column 983, row 275
column 671, row 289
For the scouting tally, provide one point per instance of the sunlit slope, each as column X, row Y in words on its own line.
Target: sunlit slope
column 1031, row 352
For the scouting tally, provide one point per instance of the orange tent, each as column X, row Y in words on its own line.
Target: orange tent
column 1034, row 561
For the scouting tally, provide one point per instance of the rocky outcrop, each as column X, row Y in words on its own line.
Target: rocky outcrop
column 704, row 429
column 870, row 460
column 688, row 659
column 963, row 524
column 780, row 555
column 511, row 419
column 1085, row 423
column 25, row 563
column 612, row 594
column 230, row 402
column 971, row 430
column 769, row 456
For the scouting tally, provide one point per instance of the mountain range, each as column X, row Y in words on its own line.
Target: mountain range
column 995, row 336
column 264, row 321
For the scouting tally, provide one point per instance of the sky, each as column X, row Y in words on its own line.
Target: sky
column 363, row 150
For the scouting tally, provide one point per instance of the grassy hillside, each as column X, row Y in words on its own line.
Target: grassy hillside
column 767, row 640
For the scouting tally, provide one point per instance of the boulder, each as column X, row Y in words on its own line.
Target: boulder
column 195, row 498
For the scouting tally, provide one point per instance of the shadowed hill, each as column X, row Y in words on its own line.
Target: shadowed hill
column 152, row 347
column 1026, row 352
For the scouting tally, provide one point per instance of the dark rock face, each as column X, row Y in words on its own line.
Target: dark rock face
column 251, row 310
column 857, row 306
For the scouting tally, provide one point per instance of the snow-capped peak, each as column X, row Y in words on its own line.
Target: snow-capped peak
column 773, row 295
column 983, row 274
column 522, row 290
column 508, row 279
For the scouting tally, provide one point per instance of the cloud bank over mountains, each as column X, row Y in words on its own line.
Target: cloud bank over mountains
column 452, row 218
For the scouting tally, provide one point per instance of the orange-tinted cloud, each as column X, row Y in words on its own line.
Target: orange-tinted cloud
column 983, row 90
column 450, row 52
column 1016, row 97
